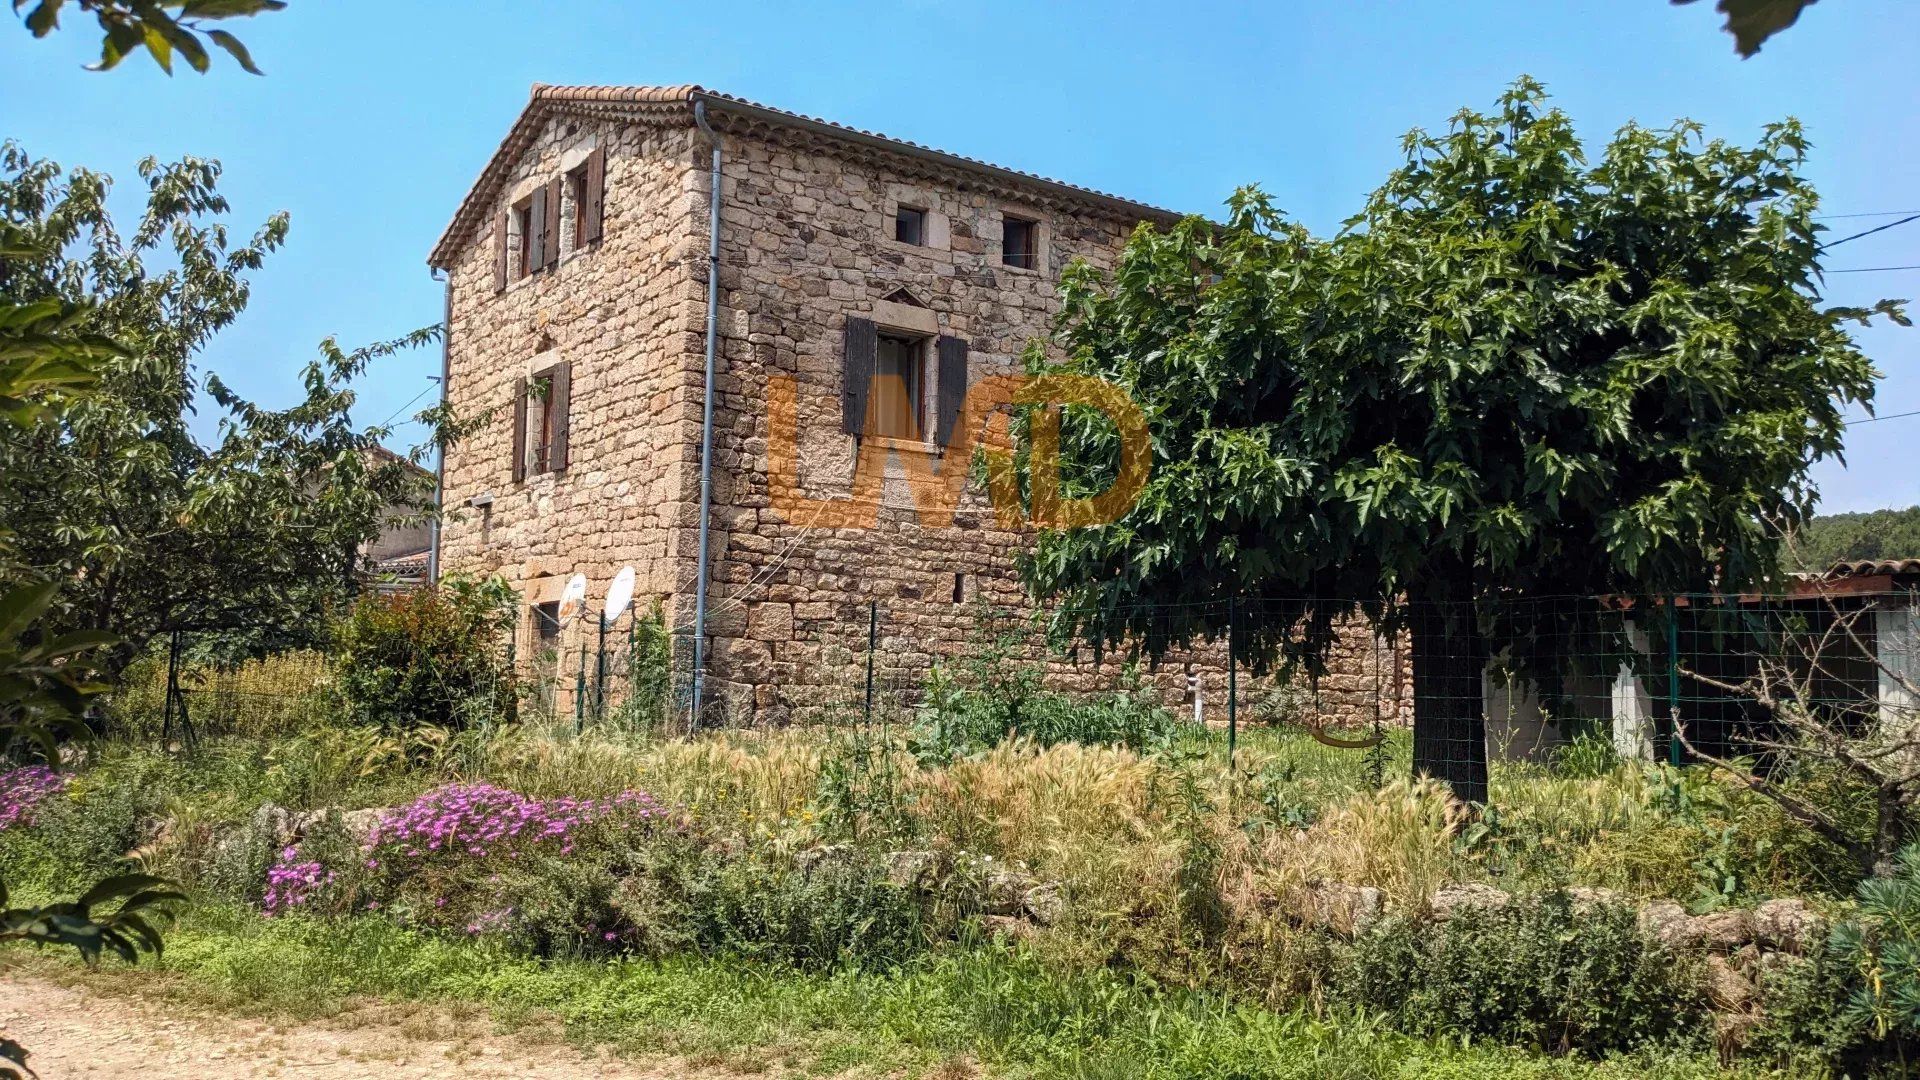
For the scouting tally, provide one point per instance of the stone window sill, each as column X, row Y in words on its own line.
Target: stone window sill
column 905, row 446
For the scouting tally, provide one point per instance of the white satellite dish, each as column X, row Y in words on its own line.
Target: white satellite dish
column 619, row 595
column 573, row 599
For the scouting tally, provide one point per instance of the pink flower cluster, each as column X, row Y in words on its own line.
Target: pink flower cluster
column 23, row 790
column 479, row 819
column 292, row 881
column 461, row 821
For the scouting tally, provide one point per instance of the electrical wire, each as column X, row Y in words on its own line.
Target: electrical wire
column 1877, row 419
column 1831, row 244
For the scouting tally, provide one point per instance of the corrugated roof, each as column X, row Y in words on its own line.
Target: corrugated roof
column 473, row 209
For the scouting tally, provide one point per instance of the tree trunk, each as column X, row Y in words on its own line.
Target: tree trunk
column 1449, row 709
column 1892, row 826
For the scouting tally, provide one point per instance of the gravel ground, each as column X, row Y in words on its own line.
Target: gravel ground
column 76, row 1033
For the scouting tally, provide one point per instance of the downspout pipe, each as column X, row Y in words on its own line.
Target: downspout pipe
column 440, row 448
column 706, row 419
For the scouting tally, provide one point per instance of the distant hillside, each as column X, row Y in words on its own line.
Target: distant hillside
column 1876, row 534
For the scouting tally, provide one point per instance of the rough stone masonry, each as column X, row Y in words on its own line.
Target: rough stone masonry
column 577, row 276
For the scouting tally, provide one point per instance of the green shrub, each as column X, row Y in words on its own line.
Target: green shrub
column 1880, row 951
column 431, row 657
column 1536, row 973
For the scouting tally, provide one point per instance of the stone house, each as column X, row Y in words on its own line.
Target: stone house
column 576, row 271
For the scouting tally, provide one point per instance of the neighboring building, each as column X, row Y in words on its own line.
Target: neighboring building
column 396, row 560
column 577, row 270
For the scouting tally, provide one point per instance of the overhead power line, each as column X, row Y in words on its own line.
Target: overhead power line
column 1872, row 269
column 1831, row 244
column 1877, row 419
column 1867, row 213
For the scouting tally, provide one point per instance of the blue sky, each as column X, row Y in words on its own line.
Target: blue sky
column 375, row 116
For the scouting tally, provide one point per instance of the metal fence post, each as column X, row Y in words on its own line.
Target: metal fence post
column 600, row 673
column 580, row 692
column 1673, row 680
column 873, row 639
column 1233, row 678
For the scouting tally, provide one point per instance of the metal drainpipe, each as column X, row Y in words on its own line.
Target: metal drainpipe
column 706, row 422
column 440, row 451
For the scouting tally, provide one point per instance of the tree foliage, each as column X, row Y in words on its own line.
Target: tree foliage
column 154, row 528
column 1872, row 534
column 1752, row 22
column 164, row 28
column 1514, row 373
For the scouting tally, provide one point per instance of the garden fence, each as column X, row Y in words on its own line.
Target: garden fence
column 1676, row 680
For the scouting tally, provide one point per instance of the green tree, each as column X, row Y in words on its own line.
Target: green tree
column 1514, row 374
column 155, row 529
column 1872, row 534
column 164, row 28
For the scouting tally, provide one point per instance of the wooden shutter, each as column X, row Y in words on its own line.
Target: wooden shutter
column 559, row 401
column 500, row 253
column 553, row 223
column 519, row 430
column 950, row 354
column 593, row 208
column 537, row 227
column 856, row 373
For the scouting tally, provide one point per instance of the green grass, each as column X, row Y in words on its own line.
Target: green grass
column 989, row 1006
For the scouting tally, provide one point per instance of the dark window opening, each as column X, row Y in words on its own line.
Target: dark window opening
column 523, row 243
column 546, row 626
column 1018, row 243
column 896, row 387
column 959, row 587
column 910, row 226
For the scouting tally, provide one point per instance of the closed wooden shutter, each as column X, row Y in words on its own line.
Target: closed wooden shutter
column 559, row 403
column 862, row 341
column 553, row 224
column 500, row 253
column 593, row 207
column 537, row 228
column 951, row 394
column 519, row 430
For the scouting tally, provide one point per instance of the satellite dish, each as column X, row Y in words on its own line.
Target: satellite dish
column 573, row 599
column 619, row 595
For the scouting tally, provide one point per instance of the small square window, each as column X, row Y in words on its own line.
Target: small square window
column 546, row 626
column 1019, row 243
column 910, row 226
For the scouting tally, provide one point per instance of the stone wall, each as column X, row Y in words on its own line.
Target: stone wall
column 807, row 241
column 624, row 313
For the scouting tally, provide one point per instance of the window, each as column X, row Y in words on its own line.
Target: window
column 543, row 427
column 577, row 196
column 1019, row 243
column 546, row 627
column 910, row 226
column 897, row 365
column 540, row 421
column 522, row 238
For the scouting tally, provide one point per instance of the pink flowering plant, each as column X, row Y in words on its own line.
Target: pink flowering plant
column 466, row 858
column 23, row 790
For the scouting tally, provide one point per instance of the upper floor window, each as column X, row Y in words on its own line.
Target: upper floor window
column 541, row 421
column 910, row 226
column 520, row 233
column 897, row 368
column 586, row 189
column 1020, row 243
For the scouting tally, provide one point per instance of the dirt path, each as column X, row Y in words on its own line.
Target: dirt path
column 78, row 1034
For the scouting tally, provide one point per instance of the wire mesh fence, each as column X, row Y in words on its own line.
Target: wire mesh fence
column 1465, row 691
